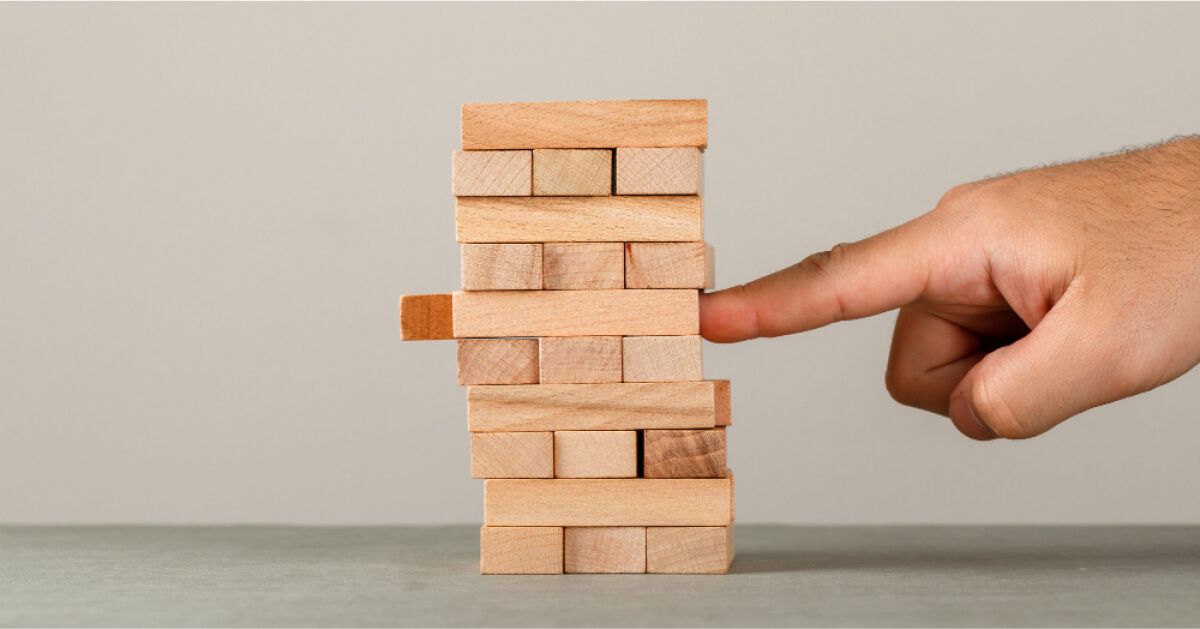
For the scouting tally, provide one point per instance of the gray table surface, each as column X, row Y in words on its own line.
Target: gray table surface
column 416, row 576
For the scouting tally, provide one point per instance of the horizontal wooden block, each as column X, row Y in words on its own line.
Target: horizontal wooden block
column 493, row 173
column 594, row 453
column 516, row 266
column 607, row 502
column 576, row 313
column 579, row 219
column 669, row 265
column 585, row 124
column 674, row 170
column 583, row 265
column 428, row 317
column 623, row 406
column 521, row 550
column 512, row 455
column 683, row 453
column 572, row 172
column 661, row 358
column 580, row 359
column 604, row 550
column 497, row 361
column 689, row 550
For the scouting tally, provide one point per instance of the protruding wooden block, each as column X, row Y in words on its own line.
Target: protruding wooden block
column 585, row 124
column 683, row 453
column 622, row 406
column 493, row 173
column 516, row 266
column 689, row 549
column 580, row 359
column 521, row 550
column 427, row 317
column 583, row 265
column 722, row 402
column 607, row 502
column 576, row 313
column 669, row 265
column 497, row 361
column 512, row 455
column 662, row 358
column 579, row 219
column 674, row 170
column 595, row 453
column 604, row 550
column 572, row 172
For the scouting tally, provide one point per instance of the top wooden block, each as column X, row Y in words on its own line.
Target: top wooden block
column 585, row 124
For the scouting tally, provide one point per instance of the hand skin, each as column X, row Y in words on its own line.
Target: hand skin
column 1024, row 299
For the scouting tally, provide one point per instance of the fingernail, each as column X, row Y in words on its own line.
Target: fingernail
column 963, row 413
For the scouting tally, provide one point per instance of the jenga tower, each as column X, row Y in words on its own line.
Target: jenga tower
column 601, row 444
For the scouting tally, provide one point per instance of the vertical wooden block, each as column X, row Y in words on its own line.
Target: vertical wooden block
column 580, row 359
column 595, row 454
column 668, row 265
column 572, row 172
column 661, row 358
column 497, row 361
column 493, row 173
column 604, row 550
column 512, row 455
column 673, row 170
column 722, row 403
column 583, row 265
column 521, row 550
column 515, row 266
column 683, row 453
column 426, row 317
column 689, row 549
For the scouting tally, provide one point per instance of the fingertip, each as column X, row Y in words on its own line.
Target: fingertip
column 967, row 421
column 724, row 318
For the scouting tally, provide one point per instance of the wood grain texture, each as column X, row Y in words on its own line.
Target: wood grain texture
column 521, row 550
column 497, row 361
column 594, row 453
column 576, row 313
column 579, row 219
column 583, row 265
column 427, row 317
column 661, row 358
column 623, row 406
column 580, row 359
column 722, row 402
column 668, row 265
column 675, row 170
column 572, row 172
column 607, row 502
column 689, row 550
column 495, row 266
column 683, row 453
column 585, row 124
column 492, row 173
column 512, row 455
column 604, row 550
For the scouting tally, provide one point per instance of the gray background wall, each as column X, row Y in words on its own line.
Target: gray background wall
column 208, row 212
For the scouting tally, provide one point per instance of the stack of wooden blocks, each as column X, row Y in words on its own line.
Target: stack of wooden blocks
column 583, row 256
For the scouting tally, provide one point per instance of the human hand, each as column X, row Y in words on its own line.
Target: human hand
column 1024, row 299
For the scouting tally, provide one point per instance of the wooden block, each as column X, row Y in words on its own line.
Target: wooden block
column 585, row 124
column 594, row 453
column 512, row 455
column 501, row 266
column 521, row 550
column 493, row 173
column 661, row 358
column 607, row 502
column 689, row 549
column 668, row 265
column 682, row 453
column 579, row 219
column 572, row 172
column 580, row 359
column 622, row 406
column 428, row 317
column 674, row 170
column 583, row 265
column 497, row 361
column 722, row 402
column 576, row 313
column 604, row 550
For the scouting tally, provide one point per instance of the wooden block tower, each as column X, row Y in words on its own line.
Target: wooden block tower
column 601, row 445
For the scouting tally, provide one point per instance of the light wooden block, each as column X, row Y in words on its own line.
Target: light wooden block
column 579, row 219
column 689, row 550
column 497, row 361
column 580, row 359
column 682, row 453
column 572, row 172
column 661, row 358
column 512, row 455
column 516, row 266
column 674, row 170
column 428, row 317
column 623, row 406
column 583, row 265
column 604, row 550
column 493, row 173
column 521, row 550
column 669, row 265
column 722, row 402
column 585, row 124
column 607, row 502
column 576, row 313
column 594, row 453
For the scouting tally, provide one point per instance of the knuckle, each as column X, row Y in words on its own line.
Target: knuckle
column 901, row 385
column 996, row 413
